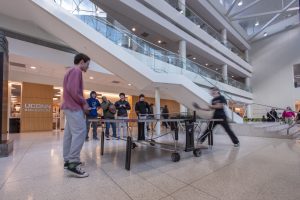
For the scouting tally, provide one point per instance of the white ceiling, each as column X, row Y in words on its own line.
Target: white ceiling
column 261, row 18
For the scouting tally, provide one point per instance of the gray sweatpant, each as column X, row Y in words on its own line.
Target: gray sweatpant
column 74, row 135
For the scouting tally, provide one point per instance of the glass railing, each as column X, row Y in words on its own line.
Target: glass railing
column 196, row 19
column 121, row 36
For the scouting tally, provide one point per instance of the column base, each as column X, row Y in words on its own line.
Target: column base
column 6, row 147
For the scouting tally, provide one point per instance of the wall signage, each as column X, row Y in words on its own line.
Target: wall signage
column 32, row 107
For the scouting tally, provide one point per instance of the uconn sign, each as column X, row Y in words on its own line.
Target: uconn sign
column 32, row 107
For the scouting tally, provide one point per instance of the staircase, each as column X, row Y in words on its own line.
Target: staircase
column 127, row 56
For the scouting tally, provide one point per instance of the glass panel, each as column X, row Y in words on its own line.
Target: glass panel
column 138, row 46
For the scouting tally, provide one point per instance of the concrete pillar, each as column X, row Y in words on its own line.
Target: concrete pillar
column 181, row 6
column 224, row 37
column 6, row 146
column 62, row 118
column 248, row 82
column 247, row 55
column 182, row 52
column 157, row 109
column 249, row 111
column 183, row 109
column 225, row 73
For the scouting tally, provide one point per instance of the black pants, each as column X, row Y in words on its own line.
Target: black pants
column 141, row 131
column 225, row 125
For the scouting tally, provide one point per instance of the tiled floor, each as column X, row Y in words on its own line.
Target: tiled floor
column 261, row 169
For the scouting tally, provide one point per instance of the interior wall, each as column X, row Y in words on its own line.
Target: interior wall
column 33, row 116
column 273, row 59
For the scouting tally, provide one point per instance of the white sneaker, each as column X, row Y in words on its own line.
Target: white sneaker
column 77, row 171
column 237, row 145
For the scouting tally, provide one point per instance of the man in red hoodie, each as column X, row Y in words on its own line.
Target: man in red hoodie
column 74, row 106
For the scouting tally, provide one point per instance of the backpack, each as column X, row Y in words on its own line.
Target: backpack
column 112, row 108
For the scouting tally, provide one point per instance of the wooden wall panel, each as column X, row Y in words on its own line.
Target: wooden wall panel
column 36, row 119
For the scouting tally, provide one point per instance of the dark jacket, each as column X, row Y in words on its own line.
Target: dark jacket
column 106, row 113
column 142, row 107
column 122, row 107
column 165, row 113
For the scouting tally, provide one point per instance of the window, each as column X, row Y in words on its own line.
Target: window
column 297, row 75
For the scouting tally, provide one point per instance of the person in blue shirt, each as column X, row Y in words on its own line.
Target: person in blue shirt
column 93, row 114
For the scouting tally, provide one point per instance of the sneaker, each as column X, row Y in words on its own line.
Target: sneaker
column 66, row 164
column 236, row 145
column 76, row 170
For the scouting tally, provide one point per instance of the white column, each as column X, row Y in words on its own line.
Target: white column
column 61, row 114
column 183, row 109
column 224, row 36
column 248, row 82
column 225, row 72
column 181, row 5
column 247, row 55
column 182, row 51
column 249, row 111
column 157, row 109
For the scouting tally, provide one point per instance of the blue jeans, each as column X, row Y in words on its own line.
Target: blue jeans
column 94, row 125
column 113, row 125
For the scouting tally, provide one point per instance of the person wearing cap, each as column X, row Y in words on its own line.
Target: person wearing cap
column 93, row 114
column 142, row 109
column 122, row 107
column 218, row 103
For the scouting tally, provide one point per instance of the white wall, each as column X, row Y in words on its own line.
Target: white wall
column 273, row 59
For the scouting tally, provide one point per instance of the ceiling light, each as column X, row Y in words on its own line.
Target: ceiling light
column 217, row 69
column 55, row 99
column 206, row 64
column 257, row 23
column 129, row 84
column 232, row 76
column 265, row 34
column 57, row 95
column 159, row 41
column 181, row 11
column 91, row 77
column 133, row 29
column 32, row 67
column 194, row 58
column 240, row 3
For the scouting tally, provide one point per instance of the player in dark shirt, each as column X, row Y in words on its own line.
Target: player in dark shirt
column 217, row 104
column 142, row 109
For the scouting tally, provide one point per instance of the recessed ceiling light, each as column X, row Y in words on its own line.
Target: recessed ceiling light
column 181, row 11
column 91, row 77
column 206, row 64
column 240, row 3
column 129, row 84
column 159, row 41
column 32, row 67
column 232, row 76
column 257, row 23
column 217, row 69
column 265, row 34
column 133, row 29
column 194, row 58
